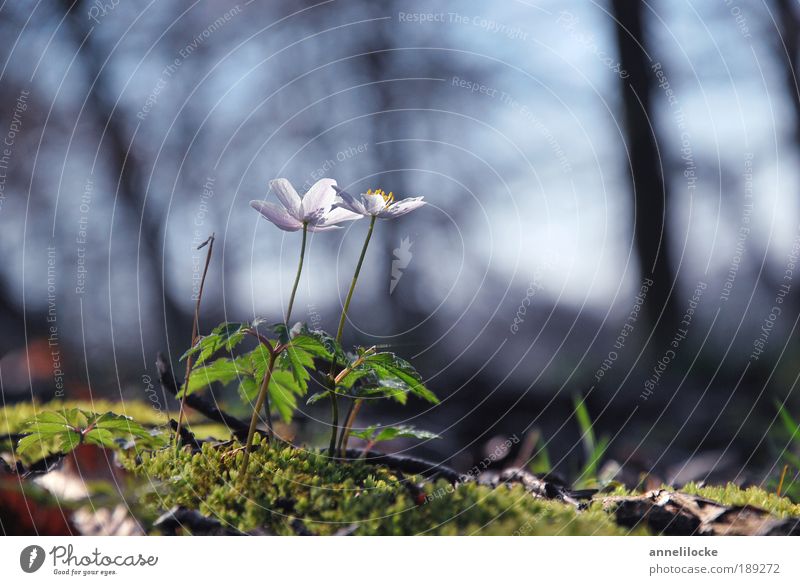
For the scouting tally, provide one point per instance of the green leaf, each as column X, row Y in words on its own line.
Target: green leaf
column 298, row 362
column 377, row 433
column 585, row 424
column 68, row 441
column 65, row 430
column 282, row 392
column 225, row 336
column 312, row 345
column 281, row 331
column 317, row 397
column 395, row 372
column 25, row 444
column 595, row 450
column 100, row 437
column 252, row 367
column 221, row 370
column 791, row 427
column 333, row 348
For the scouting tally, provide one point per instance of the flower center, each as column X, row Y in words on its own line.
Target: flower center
column 388, row 198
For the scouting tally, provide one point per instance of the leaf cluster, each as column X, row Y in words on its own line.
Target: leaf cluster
column 64, row 430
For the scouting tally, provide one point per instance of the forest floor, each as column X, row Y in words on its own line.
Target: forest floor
column 290, row 490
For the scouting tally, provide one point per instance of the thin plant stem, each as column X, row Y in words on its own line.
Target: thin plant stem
column 195, row 330
column 267, row 410
column 355, row 280
column 297, row 278
column 348, row 425
column 263, row 394
column 355, row 405
column 339, row 331
column 262, row 397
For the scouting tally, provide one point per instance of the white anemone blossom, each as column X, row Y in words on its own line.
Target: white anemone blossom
column 315, row 210
column 377, row 203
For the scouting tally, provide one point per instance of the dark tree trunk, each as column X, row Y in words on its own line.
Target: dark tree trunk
column 124, row 167
column 650, row 192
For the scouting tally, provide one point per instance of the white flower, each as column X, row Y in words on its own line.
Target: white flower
column 377, row 204
column 315, row 209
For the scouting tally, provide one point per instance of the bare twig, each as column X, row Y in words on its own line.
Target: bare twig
column 195, row 328
column 202, row 405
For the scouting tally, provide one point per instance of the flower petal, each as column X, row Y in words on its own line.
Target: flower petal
column 373, row 203
column 401, row 207
column 277, row 215
column 340, row 214
column 319, row 198
column 287, row 195
column 323, row 228
column 350, row 203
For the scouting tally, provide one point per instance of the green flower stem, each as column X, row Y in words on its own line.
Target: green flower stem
column 334, row 405
column 355, row 279
column 267, row 412
column 263, row 394
column 260, row 401
column 297, row 278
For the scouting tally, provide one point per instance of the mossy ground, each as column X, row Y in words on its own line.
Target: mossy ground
column 287, row 484
column 733, row 495
column 289, row 489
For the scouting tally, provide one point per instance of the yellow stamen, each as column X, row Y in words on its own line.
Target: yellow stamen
column 387, row 197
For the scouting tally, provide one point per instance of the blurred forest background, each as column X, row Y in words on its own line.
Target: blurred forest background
column 613, row 192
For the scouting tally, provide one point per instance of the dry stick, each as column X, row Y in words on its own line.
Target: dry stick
column 783, row 476
column 195, row 327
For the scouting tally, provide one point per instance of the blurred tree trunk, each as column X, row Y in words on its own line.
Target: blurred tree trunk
column 650, row 192
column 789, row 23
column 124, row 168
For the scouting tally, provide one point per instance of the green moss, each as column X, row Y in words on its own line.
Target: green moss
column 733, row 495
column 288, row 488
column 287, row 484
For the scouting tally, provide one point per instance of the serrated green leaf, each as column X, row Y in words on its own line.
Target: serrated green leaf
column 25, row 444
column 298, row 362
column 222, row 370
column 225, row 336
column 312, row 345
column 120, row 425
column 356, row 375
column 65, row 430
column 283, row 390
column 248, row 388
column 332, row 347
column 100, row 437
column 68, row 441
column 391, row 370
column 317, row 397
column 378, row 434
column 281, row 331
